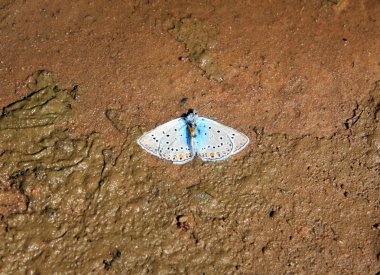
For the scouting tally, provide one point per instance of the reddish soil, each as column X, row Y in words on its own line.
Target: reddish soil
column 299, row 78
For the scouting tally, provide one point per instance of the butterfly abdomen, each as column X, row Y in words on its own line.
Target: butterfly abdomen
column 192, row 130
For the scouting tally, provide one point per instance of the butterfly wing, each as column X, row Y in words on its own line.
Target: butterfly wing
column 176, row 145
column 150, row 141
column 169, row 141
column 215, row 141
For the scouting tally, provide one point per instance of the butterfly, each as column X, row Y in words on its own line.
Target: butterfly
column 179, row 140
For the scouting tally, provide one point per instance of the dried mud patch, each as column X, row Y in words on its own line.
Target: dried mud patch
column 57, row 174
column 192, row 33
column 300, row 205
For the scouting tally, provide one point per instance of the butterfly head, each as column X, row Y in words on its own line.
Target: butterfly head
column 191, row 116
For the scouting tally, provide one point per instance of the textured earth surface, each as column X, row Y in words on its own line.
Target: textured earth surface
column 81, row 82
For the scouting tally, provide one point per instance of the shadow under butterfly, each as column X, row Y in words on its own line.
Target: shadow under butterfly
column 181, row 139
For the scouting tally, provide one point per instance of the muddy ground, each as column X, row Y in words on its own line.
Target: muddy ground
column 79, row 85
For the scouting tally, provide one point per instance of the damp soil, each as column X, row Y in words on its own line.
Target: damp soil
column 79, row 86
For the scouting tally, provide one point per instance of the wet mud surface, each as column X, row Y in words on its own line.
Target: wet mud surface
column 77, row 194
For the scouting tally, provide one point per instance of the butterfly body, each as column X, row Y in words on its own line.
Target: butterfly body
column 180, row 140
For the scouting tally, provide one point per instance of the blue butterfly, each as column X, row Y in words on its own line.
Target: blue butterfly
column 179, row 140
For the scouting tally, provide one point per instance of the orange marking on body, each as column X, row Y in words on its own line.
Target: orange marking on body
column 212, row 154
column 192, row 131
column 181, row 156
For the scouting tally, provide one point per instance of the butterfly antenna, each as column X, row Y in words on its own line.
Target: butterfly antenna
column 204, row 106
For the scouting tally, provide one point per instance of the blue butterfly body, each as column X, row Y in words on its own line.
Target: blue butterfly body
column 179, row 140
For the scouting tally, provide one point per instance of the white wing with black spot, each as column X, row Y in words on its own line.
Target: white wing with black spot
column 169, row 141
column 215, row 141
column 150, row 141
column 176, row 145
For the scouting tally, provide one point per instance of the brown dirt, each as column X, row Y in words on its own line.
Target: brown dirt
column 301, row 79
